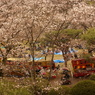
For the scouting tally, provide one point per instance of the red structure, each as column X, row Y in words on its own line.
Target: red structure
column 83, row 67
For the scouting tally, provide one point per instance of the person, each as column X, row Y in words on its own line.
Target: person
column 38, row 69
column 58, row 66
column 53, row 66
column 72, row 50
column 75, row 55
column 67, row 76
column 42, row 71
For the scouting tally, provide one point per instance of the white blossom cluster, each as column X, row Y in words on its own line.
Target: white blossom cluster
column 18, row 17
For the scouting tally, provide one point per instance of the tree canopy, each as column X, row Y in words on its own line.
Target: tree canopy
column 89, row 36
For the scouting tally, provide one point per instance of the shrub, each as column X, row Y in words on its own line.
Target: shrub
column 10, row 88
column 61, row 90
column 64, row 90
column 86, row 87
column 38, row 86
column 53, row 92
column 22, row 91
column 92, row 77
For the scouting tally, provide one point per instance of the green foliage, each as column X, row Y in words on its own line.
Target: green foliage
column 41, row 83
column 92, row 77
column 25, row 87
column 61, row 37
column 90, row 2
column 55, row 36
column 86, row 87
column 38, row 86
column 87, row 57
column 51, row 36
column 61, row 90
column 53, row 92
column 73, row 33
column 89, row 36
column 22, row 91
column 10, row 88
column 64, row 90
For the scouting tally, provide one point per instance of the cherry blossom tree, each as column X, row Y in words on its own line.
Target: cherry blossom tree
column 10, row 27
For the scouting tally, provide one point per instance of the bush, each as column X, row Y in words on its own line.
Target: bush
column 22, row 91
column 92, row 77
column 64, row 90
column 86, row 87
column 10, row 88
column 50, row 91
column 38, row 86
column 61, row 90
column 53, row 92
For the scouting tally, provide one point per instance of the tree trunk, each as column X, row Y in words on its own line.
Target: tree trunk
column 51, row 63
column 65, row 58
column 33, row 71
column 4, row 60
column 65, row 61
column 46, row 56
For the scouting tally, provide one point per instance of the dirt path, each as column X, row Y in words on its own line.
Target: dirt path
column 57, row 81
